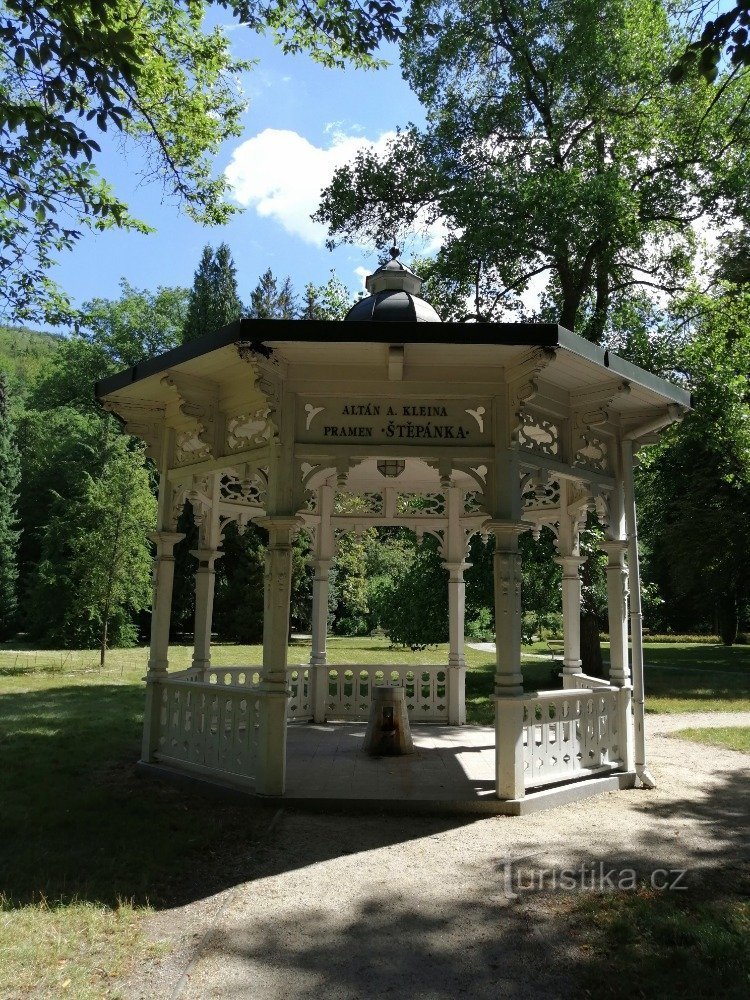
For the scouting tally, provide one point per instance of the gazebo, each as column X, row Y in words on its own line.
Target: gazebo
column 394, row 418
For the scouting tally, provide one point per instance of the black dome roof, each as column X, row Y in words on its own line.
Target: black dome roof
column 394, row 296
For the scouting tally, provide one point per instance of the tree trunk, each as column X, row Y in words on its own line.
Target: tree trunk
column 728, row 618
column 591, row 650
column 103, row 647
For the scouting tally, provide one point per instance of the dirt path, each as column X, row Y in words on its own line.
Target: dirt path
column 360, row 906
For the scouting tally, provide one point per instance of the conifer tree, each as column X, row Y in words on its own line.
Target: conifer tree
column 9, row 483
column 214, row 300
column 268, row 301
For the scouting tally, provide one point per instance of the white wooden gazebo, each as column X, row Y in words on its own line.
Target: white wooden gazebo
column 393, row 418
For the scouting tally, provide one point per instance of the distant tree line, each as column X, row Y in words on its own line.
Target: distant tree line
column 77, row 495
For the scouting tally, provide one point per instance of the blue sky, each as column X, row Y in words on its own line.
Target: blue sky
column 301, row 120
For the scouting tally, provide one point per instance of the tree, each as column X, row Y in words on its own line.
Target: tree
column 415, row 608
column 150, row 72
column 725, row 35
column 92, row 573
column 138, row 325
column 268, row 301
column 214, row 301
column 550, row 151
column 330, row 301
column 694, row 487
column 112, row 334
column 10, row 474
column 110, row 559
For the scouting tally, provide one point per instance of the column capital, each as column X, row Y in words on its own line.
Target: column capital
column 506, row 532
column 500, row 526
column 615, row 548
column 281, row 529
column 570, row 564
column 206, row 557
column 165, row 539
column 457, row 566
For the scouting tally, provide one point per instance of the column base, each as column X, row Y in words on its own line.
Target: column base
column 509, row 770
column 456, row 685
column 270, row 768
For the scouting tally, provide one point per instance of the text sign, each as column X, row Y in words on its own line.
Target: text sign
column 393, row 421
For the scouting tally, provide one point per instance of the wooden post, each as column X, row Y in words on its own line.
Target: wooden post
column 508, row 677
column 324, row 551
column 454, row 550
column 272, row 690
column 636, row 617
column 205, row 581
column 161, row 611
column 568, row 542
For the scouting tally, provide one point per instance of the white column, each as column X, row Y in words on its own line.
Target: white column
column 617, row 610
column 571, row 613
column 636, row 617
column 619, row 669
column 161, row 610
column 272, row 690
column 205, row 580
column 456, row 660
column 568, row 546
column 454, row 551
column 508, row 678
column 324, row 551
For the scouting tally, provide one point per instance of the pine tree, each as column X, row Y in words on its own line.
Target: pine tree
column 214, row 301
column 329, row 301
column 9, row 483
column 268, row 301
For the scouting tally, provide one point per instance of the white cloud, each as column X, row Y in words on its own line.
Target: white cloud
column 281, row 174
column 362, row 273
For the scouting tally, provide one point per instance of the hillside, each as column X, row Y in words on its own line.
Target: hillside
column 22, row 350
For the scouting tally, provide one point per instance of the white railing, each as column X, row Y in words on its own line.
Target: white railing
column 568, row 732
column 349, row 690
column 208, row 729
column 588, row 681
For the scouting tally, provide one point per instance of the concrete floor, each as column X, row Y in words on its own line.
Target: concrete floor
column 450, row 763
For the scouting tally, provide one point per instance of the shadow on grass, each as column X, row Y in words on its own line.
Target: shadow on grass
column 77, row 823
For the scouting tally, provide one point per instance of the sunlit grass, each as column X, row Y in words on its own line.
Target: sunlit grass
column 731, row 737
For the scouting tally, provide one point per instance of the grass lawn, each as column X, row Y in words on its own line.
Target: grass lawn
column 650, row 943
column 87, row 847
column 731, row 737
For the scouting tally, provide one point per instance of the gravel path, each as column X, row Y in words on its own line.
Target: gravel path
column 339, row 906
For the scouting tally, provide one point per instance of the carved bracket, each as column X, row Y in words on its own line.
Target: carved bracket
column 589, row 411
column 198, row 401
column 523, row 385
column 145, row 421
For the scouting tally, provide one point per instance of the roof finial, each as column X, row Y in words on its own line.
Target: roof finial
column 395, row 251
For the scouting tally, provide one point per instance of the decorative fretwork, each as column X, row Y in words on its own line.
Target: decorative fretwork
column 422, row 504
column 542, row 495
column 473, row 502
column 190, row 449
column 358, row 503
column 249, row 429
column 178, row 503
column 594, row 454
column 250, row 491
column 539, row 434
